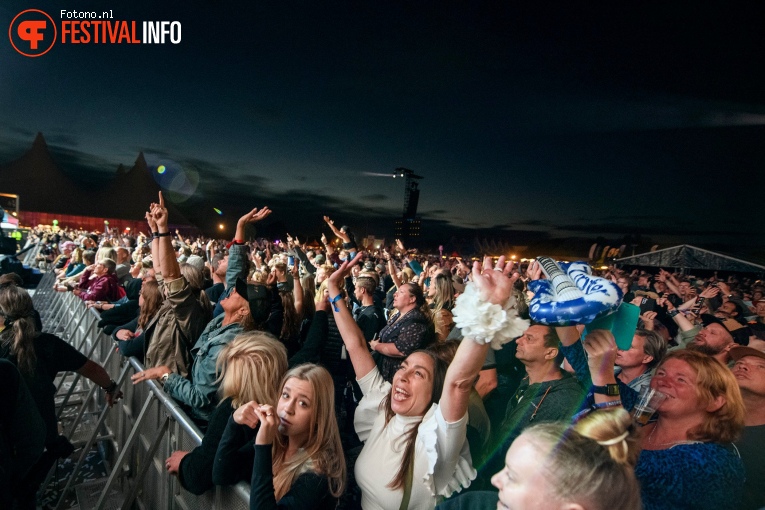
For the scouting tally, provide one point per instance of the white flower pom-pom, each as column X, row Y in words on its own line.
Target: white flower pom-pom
column 484, row 322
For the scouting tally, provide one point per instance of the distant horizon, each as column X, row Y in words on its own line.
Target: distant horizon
column 647, row 239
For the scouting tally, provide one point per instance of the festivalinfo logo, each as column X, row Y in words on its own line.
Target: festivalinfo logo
column 34, row 32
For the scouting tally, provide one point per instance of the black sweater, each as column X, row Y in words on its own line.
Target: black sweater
column 309, row 490
column 237, row 459
column 195, row 472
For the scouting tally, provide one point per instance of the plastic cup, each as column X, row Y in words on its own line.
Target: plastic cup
column 647, row 404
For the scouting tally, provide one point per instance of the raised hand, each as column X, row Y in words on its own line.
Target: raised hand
column 255, row 215
column 159, row 213
column 665, row 303
column 151, row 222
column 251, row 217
column 710, row 292
column 601, row 352
column 724, row 288
column 493, row 284
column 344, row 270
column 534, row 271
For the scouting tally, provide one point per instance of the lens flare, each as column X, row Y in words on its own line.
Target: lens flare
column 161, row 169
column 220, row 213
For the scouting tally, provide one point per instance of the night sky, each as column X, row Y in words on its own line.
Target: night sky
column 569, row 121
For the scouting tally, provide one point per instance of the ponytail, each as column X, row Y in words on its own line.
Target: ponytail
column 19, row 333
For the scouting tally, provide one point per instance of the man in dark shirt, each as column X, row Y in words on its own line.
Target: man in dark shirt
column 547, row 393
column 369, row 315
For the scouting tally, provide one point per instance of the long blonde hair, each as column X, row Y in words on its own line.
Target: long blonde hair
column 251, row 368
column 591, row 462
column 323, row 452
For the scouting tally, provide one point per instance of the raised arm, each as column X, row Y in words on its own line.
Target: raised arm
column 336, row 230
column 682, row 322
column 156, row 262
column 237, row 259
column 494, row 287
column 669, row 281
column 392, row 269
column 170, row 268
column 353, row 338
column 297, row 290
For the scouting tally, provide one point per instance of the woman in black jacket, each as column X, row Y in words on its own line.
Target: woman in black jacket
column 298, row 460
column 252, row 366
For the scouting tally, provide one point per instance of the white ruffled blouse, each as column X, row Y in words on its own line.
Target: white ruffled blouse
column 442, row 463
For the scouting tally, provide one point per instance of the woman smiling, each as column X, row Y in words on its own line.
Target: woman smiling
column 414, row 429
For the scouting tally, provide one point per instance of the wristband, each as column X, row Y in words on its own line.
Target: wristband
column 153, row 234
column 157, row 235
column 334, row 300
column 612, row 390
column 594, row 407
column 673, row 313
column 112, row 387
column 484, row 322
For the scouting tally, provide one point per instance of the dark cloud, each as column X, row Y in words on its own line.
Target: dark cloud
column 63, row 140
column 530, row 223
column 375, row 197
column 632, row 228
column 82, row 167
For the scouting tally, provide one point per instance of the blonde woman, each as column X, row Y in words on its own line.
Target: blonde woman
column 251, row 368
column 299, row 462
column 554, row 466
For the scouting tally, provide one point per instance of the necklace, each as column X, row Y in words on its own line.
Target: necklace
column 521, row 393
column 670, row 443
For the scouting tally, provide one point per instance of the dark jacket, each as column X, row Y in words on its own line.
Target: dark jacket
column 103, row 288
column 124, row 312
column 22, row 431
column 547, row 401
column 409, row 332
column 195, row 471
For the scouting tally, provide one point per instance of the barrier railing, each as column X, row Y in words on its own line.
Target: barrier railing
column 137, row 434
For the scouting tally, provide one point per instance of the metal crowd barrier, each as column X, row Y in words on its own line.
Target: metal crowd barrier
column 31, row 255
column 136, row 435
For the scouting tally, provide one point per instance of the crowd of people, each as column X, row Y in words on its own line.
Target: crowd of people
column 344, row 376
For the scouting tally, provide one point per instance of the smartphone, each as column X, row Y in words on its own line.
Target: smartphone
column 291, row 261
column 647, row 305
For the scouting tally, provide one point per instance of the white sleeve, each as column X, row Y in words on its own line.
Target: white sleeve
column 450, row 467
column 374, row 388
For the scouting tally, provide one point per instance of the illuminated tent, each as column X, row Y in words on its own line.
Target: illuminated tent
column 686, row 256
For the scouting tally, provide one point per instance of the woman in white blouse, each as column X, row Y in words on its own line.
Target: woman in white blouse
column 415, row 450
